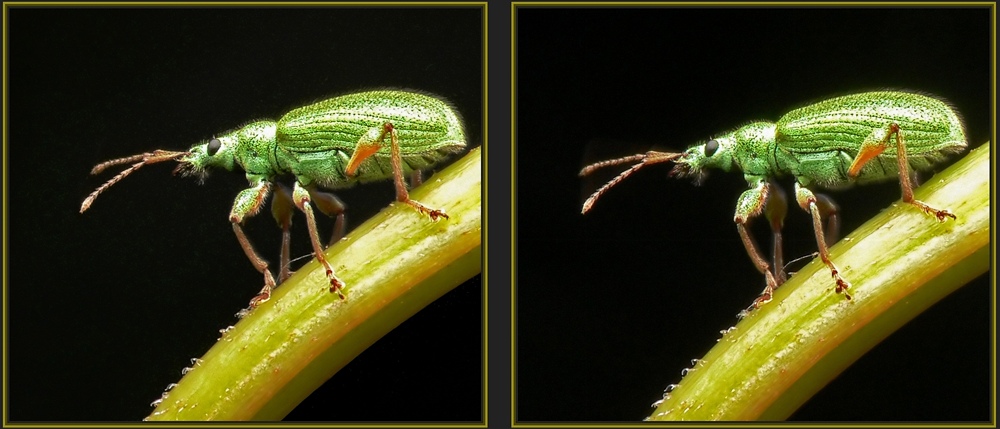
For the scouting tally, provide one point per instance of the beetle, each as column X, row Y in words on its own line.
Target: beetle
column 332, row 144
column 832, row 144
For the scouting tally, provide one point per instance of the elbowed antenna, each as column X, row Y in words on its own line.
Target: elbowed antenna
column 145, row 158
column 648, row 158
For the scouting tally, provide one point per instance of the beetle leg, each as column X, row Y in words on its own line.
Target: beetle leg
column 750, row 204
column 873, row 146
column 300, row 196
column 247, row 204
column 331, row 206
column 416, row 179
column 775, row 209
column 282, row 209
column 829, row 211
column 808, row 201
column 368, row 145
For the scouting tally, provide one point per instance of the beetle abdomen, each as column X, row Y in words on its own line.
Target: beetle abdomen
column 829, row 133
column 321, row 137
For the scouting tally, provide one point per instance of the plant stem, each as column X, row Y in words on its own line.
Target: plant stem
column 900, row 263
column 393, row 265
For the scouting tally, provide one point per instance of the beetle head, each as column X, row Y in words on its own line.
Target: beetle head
column 698, row 159
column 694, row 163
column 216, row 152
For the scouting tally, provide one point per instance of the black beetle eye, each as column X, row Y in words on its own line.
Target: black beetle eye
column 711, row 147
column 213, row 146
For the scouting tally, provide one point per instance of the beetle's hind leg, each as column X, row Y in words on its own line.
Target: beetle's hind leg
column 368, row 145
column 874, row 146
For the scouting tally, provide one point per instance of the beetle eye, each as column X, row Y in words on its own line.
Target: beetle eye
column 711, row 147
column 213, row 146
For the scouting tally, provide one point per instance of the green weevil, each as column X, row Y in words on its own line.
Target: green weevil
column 833, row 144
column 332, row 144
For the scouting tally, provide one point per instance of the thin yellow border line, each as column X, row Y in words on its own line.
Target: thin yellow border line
column 513, row 213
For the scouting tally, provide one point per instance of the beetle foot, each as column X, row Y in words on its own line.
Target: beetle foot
column 262, row 297
column 337, row 290
column 765, row 296
column 939, row 214
column 842, row 286
column 761, row 300
column 942, row 214
column 433, row 213
column 336, row 285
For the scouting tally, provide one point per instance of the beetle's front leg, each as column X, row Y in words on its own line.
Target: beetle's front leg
column 368, row 145
column 750, row 204
column 247, row 204
column 808, row 201
column 873, row 146
column 300, row 196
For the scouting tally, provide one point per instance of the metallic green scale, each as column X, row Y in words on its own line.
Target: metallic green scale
column 315, row 142
column 335, row 143
column 836, row 143
column 817, row 144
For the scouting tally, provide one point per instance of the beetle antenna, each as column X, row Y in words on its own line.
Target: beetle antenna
column 145, row 158
column 648, row 158
column 99, row 168
column 597, row 165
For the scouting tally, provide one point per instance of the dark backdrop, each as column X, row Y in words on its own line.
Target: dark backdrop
column 105, row 308
column 611, row 306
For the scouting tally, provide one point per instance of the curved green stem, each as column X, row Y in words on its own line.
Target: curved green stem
column 900, row 263
column 394, row 264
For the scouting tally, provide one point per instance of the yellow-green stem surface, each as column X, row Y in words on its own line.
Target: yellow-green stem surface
column 393, row 265
column 900, row 263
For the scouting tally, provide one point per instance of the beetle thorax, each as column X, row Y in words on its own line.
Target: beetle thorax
column 753, row 148
column 255, row 146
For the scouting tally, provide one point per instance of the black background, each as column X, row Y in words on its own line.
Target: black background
column 611, row 306
column 107, row 307
column 94, row 334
